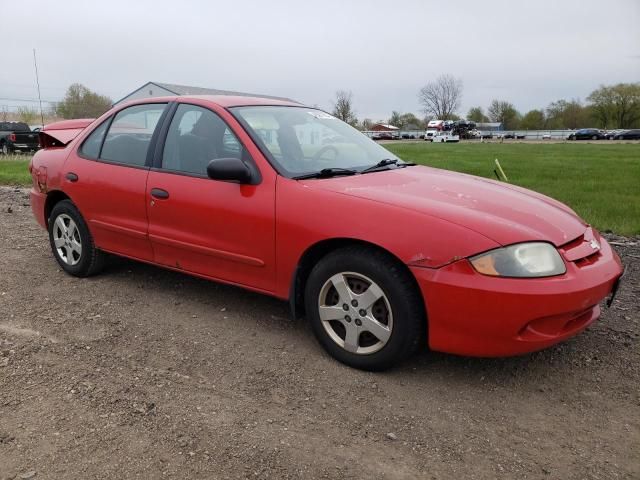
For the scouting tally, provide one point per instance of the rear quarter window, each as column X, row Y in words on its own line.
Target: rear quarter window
column 91, row 146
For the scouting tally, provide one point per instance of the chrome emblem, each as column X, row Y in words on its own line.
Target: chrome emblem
column 594, row 244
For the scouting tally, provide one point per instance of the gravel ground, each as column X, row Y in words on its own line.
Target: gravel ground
column 145, row 373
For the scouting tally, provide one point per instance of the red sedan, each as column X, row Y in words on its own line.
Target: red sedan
column 382, row 256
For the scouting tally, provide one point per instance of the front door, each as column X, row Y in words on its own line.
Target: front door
column 222, row 230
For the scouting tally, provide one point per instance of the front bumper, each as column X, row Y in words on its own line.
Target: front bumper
column 478, row 315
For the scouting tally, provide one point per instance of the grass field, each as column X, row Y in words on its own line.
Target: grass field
column 599, row 181
column 13, row 170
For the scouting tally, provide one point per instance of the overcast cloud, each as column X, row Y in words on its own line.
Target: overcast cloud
column 530, row 53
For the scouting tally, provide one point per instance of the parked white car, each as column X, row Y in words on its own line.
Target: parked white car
column 442, row 137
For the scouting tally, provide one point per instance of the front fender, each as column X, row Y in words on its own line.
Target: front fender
column 306, row 216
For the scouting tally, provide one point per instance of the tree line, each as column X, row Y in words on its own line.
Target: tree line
column 612, row 106
column 78, row 102
column 609, row 106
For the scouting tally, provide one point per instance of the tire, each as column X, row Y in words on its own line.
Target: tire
column 4, row 149
column 71, row 242
column 392, row 328
column 595, row 137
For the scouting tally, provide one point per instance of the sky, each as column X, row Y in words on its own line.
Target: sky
column 529, row 53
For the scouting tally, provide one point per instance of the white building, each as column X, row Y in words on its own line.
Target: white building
column 157, row 89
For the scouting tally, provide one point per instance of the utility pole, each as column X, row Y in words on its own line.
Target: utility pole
column 35, row 64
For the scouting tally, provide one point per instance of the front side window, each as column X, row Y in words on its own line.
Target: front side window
column 129, row 135
column 195, row 137
column 304, row 140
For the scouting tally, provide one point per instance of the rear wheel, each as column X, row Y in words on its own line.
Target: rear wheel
column 71, row 242
column 595, row 137
column 4, row 149
column 364, row 308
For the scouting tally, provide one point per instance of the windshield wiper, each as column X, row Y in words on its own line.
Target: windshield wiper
column 385, row 162
column 326, row 173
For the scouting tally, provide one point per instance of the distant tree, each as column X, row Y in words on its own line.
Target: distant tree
column 476, row 114
column 404, row 120
column 410, row 120
column 366, row 124
column 27, row 115
column 533, row 120
column 80, row 102
column 505, row 113
column 441, row 98
column 396, row 119
column 343, row 107
column 616, row 106
column 566, row 114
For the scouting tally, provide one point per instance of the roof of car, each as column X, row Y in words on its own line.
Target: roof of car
column 222, row 100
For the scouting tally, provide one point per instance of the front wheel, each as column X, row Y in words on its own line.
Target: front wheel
column 71, row 242
column 364, row 308
column 595, row 137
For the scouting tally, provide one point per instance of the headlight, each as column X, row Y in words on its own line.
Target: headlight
column 534, row 259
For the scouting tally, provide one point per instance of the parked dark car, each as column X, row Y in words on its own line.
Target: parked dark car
column 383, row 136
column 611, row 134
column 629, row 135
column 17, row 136
column 586, row 134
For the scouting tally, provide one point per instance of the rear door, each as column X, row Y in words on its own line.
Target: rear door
column 106, row 178
column 220, row 229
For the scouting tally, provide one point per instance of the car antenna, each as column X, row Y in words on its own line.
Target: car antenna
column 35, row 64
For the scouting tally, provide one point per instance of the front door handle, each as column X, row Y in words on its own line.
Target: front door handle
column 159, row 193
column 72, row 177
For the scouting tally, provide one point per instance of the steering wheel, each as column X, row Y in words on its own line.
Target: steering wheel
column 327, row 148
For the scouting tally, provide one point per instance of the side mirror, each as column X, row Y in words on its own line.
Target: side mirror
column 229, row 169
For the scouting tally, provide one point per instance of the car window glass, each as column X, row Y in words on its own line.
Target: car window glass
column 300, row 140
column 130, row 134
column 195, row 137
column 91, row 146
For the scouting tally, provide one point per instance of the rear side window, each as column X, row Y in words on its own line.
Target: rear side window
column 91, row 146
column 129, row 135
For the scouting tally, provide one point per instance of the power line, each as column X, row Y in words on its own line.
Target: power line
column 35, row 100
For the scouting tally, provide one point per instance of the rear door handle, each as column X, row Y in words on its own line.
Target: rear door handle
column 159, row 193
column 72, row 177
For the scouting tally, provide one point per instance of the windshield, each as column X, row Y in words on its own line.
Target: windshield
column 301, row 140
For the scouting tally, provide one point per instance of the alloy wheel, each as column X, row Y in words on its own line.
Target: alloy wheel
column 67, row 240
column 355, row 313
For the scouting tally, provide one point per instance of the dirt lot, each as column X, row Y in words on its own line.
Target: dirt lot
column 146, row 373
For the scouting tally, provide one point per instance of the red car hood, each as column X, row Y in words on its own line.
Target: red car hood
column 502, row 212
